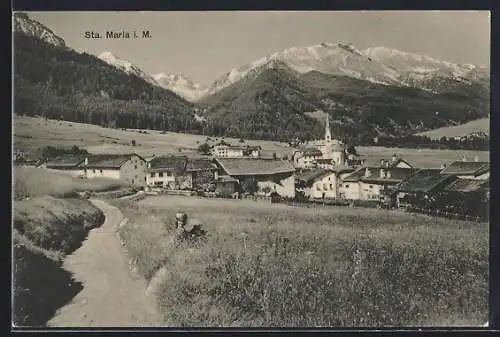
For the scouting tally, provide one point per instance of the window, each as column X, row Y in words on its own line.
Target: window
column 135, row 167
column 144, row 178
column 318, row 188
column 371, row 186
column 329, row 180
column 325, row 187
column 169, row 174
column 93, row 171
column 331, row 187
column 152, row 174
column 160, row 174
column 132, row 181
column 100, row 171
column 347, row 186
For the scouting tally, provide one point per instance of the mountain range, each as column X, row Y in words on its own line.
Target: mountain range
column 371, row 92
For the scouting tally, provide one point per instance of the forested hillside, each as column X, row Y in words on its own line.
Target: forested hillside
column 61, row 83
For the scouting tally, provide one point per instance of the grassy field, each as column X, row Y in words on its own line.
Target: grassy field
column 32, row 134
column 340, row 267
column 35, row 182
column 482, row 124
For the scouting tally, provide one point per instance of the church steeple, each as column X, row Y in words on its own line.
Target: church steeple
column 328, row 135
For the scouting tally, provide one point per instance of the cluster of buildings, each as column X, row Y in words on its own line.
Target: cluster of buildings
column 325, row 171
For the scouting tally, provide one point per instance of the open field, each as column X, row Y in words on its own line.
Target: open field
column 32, row 134
column 35, row 182
column 340, row 267
column 480, row 125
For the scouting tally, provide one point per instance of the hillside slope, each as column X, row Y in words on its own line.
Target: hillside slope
column 62, row 83
column 476, row 126
column 274, row 100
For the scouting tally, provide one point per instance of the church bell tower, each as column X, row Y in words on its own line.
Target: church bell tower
column 328, row 135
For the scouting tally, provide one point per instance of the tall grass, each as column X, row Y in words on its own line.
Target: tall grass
column 35, row 182
column 340, row 267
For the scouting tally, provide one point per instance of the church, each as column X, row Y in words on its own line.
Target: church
column 327, row 153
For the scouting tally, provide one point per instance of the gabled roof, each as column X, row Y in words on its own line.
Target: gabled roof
column 396, row 174
column 67, row 161
column 311, row 176
column 226, row 179
column 474, row 168
column 424, row 181
column 200, row 165
column 247, row 166
column 311, row 151
column 175, row 164
column 109, row 161
column 467, row 185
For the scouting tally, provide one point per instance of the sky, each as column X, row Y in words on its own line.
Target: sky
column 205, row 45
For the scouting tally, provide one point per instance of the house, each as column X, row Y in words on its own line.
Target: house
column 179, row 172
column 128, row 168
column 202, row 172
column 226, row 150
column 394, row 161
column 468, row 170
column 69, row 164
column 307, row 159
column 420, row 188
column 321, row 183
column 167, row 172
column 372, row 183
column 226, row 185
column 273, row 174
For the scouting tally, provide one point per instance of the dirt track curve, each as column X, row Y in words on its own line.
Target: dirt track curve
column 112, row 295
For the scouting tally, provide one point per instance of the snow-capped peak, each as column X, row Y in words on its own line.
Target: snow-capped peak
column 126, row 66
column 24, row 24
column 181, row 85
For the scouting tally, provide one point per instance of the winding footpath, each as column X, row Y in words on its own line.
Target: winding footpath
column 112, row 295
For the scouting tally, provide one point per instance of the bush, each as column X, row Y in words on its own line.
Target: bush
column 204, row 148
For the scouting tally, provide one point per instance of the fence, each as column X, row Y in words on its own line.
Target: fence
column 445, row 214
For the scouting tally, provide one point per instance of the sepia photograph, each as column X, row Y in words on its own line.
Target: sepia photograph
column 244, row 169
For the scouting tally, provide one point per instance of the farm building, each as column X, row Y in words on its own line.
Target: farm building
column 201, row 171
column 129, row 168
column 226, row 186
column 274, row 174
column 70, row 164
column 179, row 172
column 226, row 150
column 321, row 183
column 372, row 183
column 466, row 196
column 468, row 170
column 421, row 188
column 166, row 172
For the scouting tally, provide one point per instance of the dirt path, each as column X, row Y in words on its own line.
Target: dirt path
column 112, row 295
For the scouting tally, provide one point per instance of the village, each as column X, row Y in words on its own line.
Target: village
column 325, row 172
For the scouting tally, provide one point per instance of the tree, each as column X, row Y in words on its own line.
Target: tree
column 204, row 148
column 250, row 185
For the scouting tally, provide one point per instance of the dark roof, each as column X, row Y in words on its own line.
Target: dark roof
column 226, row 179
column 323, row 160
column 113, row 161
column 397, row 174
column 200, row 165
column 425, row 180
column 467, row 168
column 247, row 166
column 175, row 164
column 466, row 185
column 67, row 161
column 311, row 176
